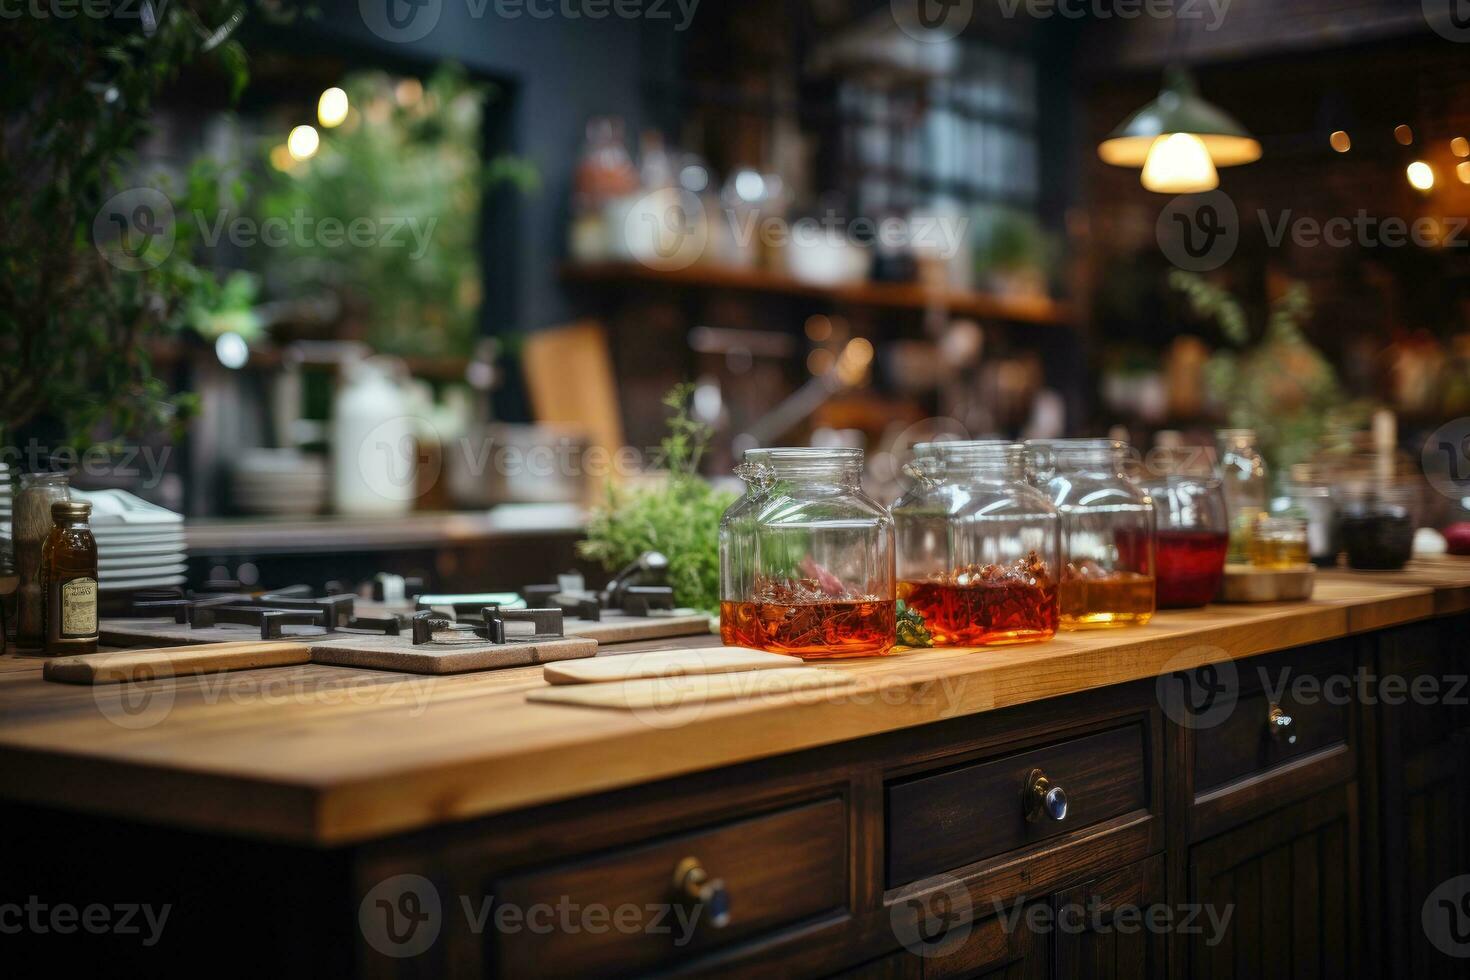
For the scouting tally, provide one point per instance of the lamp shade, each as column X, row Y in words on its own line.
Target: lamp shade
column 1179, row 109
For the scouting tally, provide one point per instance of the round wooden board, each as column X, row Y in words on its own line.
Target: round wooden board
column 1246, row 583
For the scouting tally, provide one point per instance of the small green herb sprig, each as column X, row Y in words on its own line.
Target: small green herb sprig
column 912, row 630
column 680, row 518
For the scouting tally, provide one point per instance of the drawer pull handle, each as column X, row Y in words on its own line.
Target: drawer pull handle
column 1043, row 798
column 693, row 883
column 1279, row 723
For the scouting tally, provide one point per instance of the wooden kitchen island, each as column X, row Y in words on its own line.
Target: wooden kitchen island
column 1299, row 767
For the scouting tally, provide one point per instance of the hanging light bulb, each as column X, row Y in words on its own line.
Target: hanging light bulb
column 331, row 108
column 1179, row 164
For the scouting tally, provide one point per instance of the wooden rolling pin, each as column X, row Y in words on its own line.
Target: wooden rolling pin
column 203, row 658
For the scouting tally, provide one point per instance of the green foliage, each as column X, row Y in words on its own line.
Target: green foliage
column 680, row 518
column 74, row 329
column 912, row 630
column 1282, row 386
column 408, row 158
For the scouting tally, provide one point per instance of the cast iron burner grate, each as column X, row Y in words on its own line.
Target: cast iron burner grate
column 428, row 627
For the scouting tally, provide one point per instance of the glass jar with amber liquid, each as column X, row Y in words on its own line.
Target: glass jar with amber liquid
column 978, row 547
column 69, row 570
column 1108, row 532
column 806, row 558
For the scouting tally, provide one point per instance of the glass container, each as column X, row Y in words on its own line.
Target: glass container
column 1310, row 498
column 807, row 559
column 1107, row 532
column 1193, row 537
column 1243, row 472
column 69, row 563
column 1376, row 523
column 1280, row 542
column 38, row 491
column 978, row 547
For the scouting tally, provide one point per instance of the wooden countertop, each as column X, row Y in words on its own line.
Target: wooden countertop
column 328, row 755
column 332, row 533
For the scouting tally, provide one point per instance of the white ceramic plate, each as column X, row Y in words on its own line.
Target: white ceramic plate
column 111, row 562
column 162, row 581
column 127, row 575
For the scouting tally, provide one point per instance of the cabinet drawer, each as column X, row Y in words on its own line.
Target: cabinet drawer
column 1312, row 687
column 948, row 819
column 777, row 869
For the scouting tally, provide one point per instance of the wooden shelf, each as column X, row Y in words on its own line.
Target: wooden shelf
column 1038, row 310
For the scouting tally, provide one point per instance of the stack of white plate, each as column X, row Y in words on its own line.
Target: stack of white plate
column 139, row 545
column 279, row 482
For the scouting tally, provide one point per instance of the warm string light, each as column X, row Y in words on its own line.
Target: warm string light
column 303, row 142
column 331, row 108
column 1341, row 141
column 1421, row 175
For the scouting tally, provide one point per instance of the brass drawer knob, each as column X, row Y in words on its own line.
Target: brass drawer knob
column 1042, row 798
column 693, row 884
column 1279, row 724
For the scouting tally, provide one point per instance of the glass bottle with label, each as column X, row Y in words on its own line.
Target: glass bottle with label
column 69, row 569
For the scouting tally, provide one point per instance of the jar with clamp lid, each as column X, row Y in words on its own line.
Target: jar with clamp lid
column 806, row 558
column 978, row 547
column 1108, row 527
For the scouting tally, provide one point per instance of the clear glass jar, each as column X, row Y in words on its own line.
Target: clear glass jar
column 979, row 549
column 1247, row 487
column 1280, row 542
column 1193, row 527
column 1309, row 496
column 817, row 580
column 1107, row 532
column 38, row 491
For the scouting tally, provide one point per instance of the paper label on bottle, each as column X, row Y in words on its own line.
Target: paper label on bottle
column 79, row 608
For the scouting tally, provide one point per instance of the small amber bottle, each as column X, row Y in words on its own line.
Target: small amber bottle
column 69, row 569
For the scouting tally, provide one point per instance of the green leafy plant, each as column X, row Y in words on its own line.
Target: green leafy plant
column 1277, row 384
column 75, row 329
column 407, row 157
column 680, row 517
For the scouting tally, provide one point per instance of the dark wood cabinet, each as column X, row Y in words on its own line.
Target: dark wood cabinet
column 1417, row 791
column 1285, row 888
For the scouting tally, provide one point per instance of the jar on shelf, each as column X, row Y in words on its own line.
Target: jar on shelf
column 1108, row 527
column 1376, row 522
column 1193, row 533
column 1247, row 488
column 979, row 549
column 806, row 558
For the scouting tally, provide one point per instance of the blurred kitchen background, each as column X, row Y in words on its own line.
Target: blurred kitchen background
column 842, row 226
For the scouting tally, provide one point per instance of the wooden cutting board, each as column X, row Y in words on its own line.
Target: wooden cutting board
column 179, row 661
column 619, row 627
column 665, row 663
column 1246, row 583
column 398, row 653
column 127, row 632
column 667, row 693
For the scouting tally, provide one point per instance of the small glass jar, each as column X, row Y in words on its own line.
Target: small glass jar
column 69, row 563
column 1243, row 472
column 1193, row 537
column 1376, row 522
column 1280, row 542
column 979, row 549
column 817, row 578
column 38, row 491
column 1310, row 498
column 1107, row 532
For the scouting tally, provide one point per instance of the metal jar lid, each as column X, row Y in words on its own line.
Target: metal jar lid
column 71, row 510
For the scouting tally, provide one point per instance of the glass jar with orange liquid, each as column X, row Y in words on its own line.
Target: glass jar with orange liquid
column 978, row 547
column 1108, row 527
column 806, row 558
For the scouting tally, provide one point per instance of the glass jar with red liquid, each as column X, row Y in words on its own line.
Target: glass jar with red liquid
column 978, row 547
column 806, row 558
column 1107, row 531
column 1193, row 536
